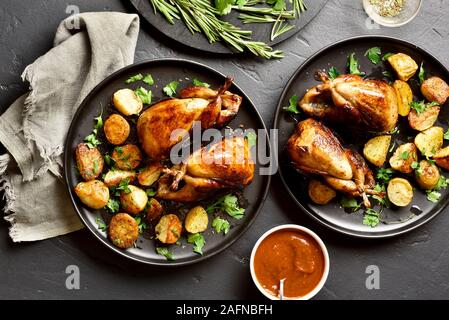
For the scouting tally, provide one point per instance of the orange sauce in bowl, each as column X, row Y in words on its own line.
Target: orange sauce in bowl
column 292, row 255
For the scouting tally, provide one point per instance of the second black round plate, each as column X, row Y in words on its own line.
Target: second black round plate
column 163, row 71
column 395, row 221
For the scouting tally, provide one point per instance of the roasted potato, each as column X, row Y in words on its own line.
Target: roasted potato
column 405, row 96
column 376, row 150
column 430, row 141
column 403, row 158
column 127, row 102
column 435, row 89
column 169, row 229
column 320, row 193
column 150, row 174
column 155, row 209
column 134, row 201
column 93, row 194
column 427, row 175
column 123, row 230
column 400, row 192
column 404, row 66
column 127, row 157
column 116, row 129
column 196, row 220
column 424, row 120
column 113, row 177
column 89, row 162
column 441, row 158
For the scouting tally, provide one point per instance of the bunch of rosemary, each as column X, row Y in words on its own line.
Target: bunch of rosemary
column 202, row 16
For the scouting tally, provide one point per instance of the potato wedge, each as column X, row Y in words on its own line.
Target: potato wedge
column 116, row 129
column 435, row 89
column 150, row 174
column 320, row 193
column 93, row 194
column 429, row 141
column 376, row 150
column 113, row 177
column 169, row 229
column 400, row 192
column 427, row 175
column 196, row 220
column 123, row 230
column 127, row 157
column 127, row 102
column 441, row 158
column 405, row 96
column 134, row 201
column 424, row 120
column 403, row 158
column 89, row 162
column 155, row 209
column 404, row 66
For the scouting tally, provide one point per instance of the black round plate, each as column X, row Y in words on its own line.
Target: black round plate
column 395, row 221
column 261, row 31
column 163, row 71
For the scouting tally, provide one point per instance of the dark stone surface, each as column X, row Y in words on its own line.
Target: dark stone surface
column 411, row 266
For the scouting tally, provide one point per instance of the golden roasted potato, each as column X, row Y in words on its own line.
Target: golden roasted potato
column 127, row 102
column 320, row 193
column 435, row 89
column 429, row 141
column 424, row 120
column 403, row 158
column 376, row 150
column 123, row 230
column 400, row 192
column 196, row 220
column 113, row 177
column 150, row 174
column 404, row 66
column 441, row 158
column 405, row 96
column 93, row 194
column 88, row 161
column 116, row 129
column 169, row 229
column 134, row 201
column 427, row 175
column 127, row 157
column 155, row 210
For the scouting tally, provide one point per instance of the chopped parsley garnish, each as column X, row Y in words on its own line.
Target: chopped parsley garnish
column 150, row 192
column 199, row 83
column 198, row 242
column 293, row 105
column 141, row 224
column 353, row 65
column 371, row 218
column 101, row 224
column 373, row 54
column 433, row 196
column 421, row 73
column 421, row 106
column 163, row 251
column 384, row 175
column 113, row 205
column 144, row 95
column 387, row 74
column 123, row 186
column 148, row 79
column 350, row 203
column 405, row 155
column 333, row 73
column 92, row 141
column 134, row 78
column 220, row 225
column 387, row 55
column 107, row 158
column 170, row 89
column 414, row 165
column 229, row 204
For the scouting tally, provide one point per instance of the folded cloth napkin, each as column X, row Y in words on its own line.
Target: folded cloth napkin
column 34, row 128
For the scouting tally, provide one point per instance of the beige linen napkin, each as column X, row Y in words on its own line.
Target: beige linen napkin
column 34, row 128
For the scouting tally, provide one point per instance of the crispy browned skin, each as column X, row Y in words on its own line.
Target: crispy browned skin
column 116, row 129
column 156, row 124
column 226, row 164
column 123, row 230
column 314, row 149
column 89, row 162
column 127, row 157
column 354, row 101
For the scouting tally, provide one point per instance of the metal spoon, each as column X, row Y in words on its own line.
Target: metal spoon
column 281, row 289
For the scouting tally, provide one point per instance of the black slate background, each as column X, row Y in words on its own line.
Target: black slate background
column 413, row 266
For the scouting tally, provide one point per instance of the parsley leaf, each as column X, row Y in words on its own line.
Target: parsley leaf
column 350, row 203
column 251, row 137
column 422, row 106
column 163, row 251
column 199, row 83
column 92, row 141
column 433, row 196
column 170, row 89
column 353, row 65
column 373, row 54
column 387, row 55
column 422, row 73
column 150, row 192
column 148, row 79
column 371, row 218
column 198, row 242
column 293, row 105
column 113, row 205
column 221, row 225
column 141, row 224
column 414, row 165
column 229, row 204
column 384, row 175
column 101, row 224
column 224, row 6
column 387, row 74
column 134, row 78
column 123, row 186
column 442, row 183
column 144, row 95
column 405, row 155
column 333, row 73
